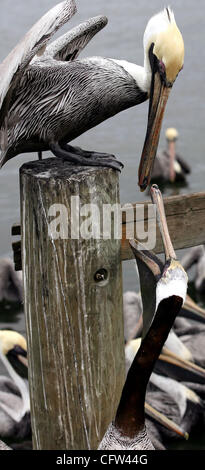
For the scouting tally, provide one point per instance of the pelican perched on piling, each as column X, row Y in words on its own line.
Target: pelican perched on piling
column 48, row 96
column 163, row 289
column 14, row 394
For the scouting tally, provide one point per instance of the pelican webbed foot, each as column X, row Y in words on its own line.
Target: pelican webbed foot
column 85, row 157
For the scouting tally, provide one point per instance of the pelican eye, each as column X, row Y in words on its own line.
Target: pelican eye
column 18, row 351
column 162, row 68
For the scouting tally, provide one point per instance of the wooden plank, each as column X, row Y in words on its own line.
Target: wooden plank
column 16, row 247
column 74, row 317
column 186, row 221
column 16, row 229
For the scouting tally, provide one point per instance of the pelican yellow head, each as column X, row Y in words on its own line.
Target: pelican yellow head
column 169, row 49
column 10, row 339
column 164, row 54
column 171, row 134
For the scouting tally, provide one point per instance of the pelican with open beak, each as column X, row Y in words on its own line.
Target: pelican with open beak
column 164, row 287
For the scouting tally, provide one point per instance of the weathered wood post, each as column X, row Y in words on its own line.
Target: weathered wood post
column 73, row 307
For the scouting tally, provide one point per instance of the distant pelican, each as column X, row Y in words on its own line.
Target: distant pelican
column 132, row 312
column 14, row 400
column 163, row 288
column 168, row 165
column 193, row 337
column 11, row 288
column 50, row 100
column 179, row 403
column 196, row 255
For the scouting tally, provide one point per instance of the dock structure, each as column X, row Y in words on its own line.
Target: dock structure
column 73, row 294
column 185, row 216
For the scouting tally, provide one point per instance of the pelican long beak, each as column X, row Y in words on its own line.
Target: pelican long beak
column 150, row 268
column 23, row 360
column 192, row 310
column 180, row 368
column 158, row 98
column 164, row 421
column 148, row 258
column 162, row 222
column 172, row 157
column 154, row 264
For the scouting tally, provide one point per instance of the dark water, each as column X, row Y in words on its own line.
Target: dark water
column 124, row 134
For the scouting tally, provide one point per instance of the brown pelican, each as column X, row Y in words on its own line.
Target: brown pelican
column 196, row 255
column 178, row 402
column 14, row 395
column 48, row 97
column 132, row 312
column 11, row 288
column 193, row 337
column 163, row 289
column 168, row 165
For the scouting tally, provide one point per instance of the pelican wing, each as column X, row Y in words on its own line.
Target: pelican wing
column 69, row 46
column 34, row 42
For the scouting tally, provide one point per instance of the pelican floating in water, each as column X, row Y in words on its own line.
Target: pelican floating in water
column 163, row 289
column 48, row 97
column 11, row 288
column 14, row 395
column 168, row 165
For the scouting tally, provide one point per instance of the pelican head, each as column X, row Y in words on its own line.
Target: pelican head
column 164, row 58
column 166, row 280
column 171, row 134
column 13, row 348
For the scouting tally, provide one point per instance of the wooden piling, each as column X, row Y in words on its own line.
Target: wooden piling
column 73, row 308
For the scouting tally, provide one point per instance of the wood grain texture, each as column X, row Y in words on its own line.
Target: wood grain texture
column 185, row 216
column 74, row 323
